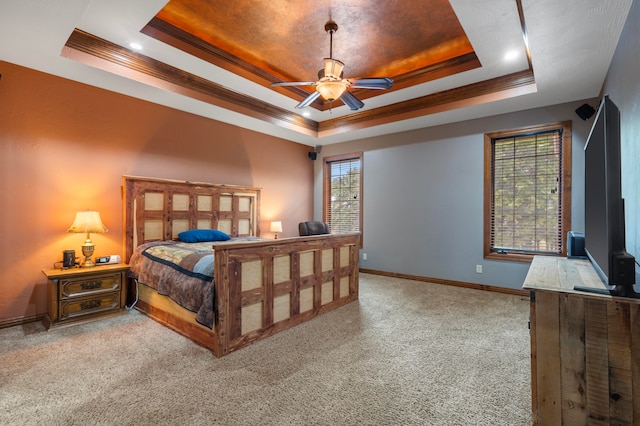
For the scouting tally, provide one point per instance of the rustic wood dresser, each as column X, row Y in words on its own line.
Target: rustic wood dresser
column 585, row 348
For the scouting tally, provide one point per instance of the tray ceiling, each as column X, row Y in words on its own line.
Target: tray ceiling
column 217, row 58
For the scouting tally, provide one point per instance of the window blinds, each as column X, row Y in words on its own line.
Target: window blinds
column 343, row 198
column 526, row 205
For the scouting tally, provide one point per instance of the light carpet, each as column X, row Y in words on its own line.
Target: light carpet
column 406, row 353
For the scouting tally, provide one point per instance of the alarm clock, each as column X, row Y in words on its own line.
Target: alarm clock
column 108, row 260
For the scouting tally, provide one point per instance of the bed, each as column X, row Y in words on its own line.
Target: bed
column 259, row 286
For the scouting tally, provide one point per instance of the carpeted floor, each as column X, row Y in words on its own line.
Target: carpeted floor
column 406, row 353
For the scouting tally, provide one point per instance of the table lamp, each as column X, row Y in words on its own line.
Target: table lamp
column 87, row 222
column 276, row 226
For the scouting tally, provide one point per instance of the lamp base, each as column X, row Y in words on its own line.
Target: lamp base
column 87, row 251
column 87, row 263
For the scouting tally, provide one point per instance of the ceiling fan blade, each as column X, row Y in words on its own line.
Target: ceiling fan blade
column 351, row 101
column 307, row 101
column 372, row 83
column 293, row 83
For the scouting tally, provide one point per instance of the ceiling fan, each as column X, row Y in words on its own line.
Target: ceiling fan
column 331, row 85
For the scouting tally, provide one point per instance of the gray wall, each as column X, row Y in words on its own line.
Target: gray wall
column 623, row 86
column 423, row 197
column 423, row 190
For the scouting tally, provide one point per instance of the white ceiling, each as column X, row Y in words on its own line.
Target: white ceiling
column 571, row 43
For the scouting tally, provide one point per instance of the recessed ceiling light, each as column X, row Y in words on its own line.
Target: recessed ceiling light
column 306, row 114
column 511, row 55
column 135, row 46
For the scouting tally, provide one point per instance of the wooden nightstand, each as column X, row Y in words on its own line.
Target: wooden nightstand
column 84, row 294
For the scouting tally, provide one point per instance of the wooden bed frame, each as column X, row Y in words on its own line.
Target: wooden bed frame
column 261, row 287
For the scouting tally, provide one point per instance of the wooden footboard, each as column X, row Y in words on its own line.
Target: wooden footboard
column 265, row 287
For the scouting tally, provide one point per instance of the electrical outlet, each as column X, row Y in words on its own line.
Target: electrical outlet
column 479, row 269
column 364, row 256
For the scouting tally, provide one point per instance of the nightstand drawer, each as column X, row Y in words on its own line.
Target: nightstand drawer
column 87, row 285
column 76, row 307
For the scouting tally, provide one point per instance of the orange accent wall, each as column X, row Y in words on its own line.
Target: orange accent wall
column 64, row 147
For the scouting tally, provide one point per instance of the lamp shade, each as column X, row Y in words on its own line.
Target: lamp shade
column 86, row 222
column 331, row 90
column 276, row 226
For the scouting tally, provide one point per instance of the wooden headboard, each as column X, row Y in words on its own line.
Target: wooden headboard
column 159, row 209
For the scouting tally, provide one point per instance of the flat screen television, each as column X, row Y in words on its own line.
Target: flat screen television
column 604, row 206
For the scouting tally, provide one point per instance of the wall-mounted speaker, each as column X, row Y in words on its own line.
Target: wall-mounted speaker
column 575, row 245
column 314, row 154
column 585, row 111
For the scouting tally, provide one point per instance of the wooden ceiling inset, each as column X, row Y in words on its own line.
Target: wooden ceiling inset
column 100, row 53
column 414, row 41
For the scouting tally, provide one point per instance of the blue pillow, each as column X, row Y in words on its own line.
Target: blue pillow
column 202, row 235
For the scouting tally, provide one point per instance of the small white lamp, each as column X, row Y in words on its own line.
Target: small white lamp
column 87, row 222
column 276, row 226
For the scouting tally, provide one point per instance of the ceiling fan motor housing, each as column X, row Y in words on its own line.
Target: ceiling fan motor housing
column 332, row 69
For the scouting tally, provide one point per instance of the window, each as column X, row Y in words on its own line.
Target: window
column 342, row 193
column 527, row 192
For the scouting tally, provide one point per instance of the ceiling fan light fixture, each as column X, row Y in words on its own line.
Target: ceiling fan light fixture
column 331, row 90
column 330, row 84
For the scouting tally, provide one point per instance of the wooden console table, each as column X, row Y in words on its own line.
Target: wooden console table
column 585, row 348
